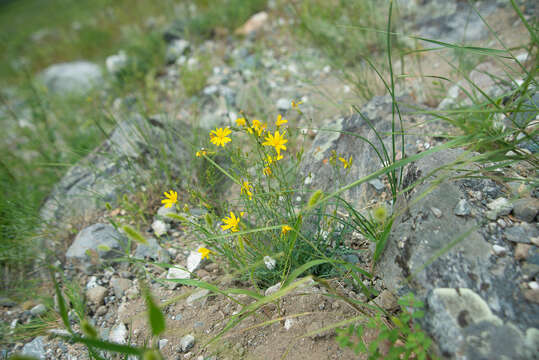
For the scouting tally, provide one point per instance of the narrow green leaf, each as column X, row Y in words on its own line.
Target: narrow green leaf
column 105, row 345
column 61, row 304
column 156, row 317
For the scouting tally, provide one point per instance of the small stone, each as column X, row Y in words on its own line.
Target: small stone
column 534, row 285
column 377, row 184
column 118, row 334
column 160, row 228
column 521, row 233
column 532, row 295
column 162, row 343
column 38, row 310
column 254, row 24
column 386, row 300
column 163, row 212
column 521, row 251
column 186, row 343
column 92, row 282
column 437, row 212
column 272, row 289
column 462, row 208
column 120, row 285
column 499, row 250
column 151, row 250
column 194, row 261
column 526, row 209
column 501, row 206
column 102, row 310
column 132, row 293
column 35, row 348
column 175, row 273
column 196, row 296
column 96, row 295
column 283, row 104
column 288, row 323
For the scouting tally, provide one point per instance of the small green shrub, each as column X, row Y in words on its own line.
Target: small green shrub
column 405, row 337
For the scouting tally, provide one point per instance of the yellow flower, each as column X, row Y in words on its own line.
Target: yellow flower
column 231, row 222
column 270, row 160
column 295, row 104
column 241, row 121
column 267, row 171
column 285, row 229
column 201, row 152
column 280, row 121
column 220, row 137
column 205, row 253
column 346, row 163
column 258, row 127
column 277, row 141
column 246, row 188
column 171, row 198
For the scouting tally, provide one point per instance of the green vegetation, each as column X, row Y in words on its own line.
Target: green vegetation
column 260, row 245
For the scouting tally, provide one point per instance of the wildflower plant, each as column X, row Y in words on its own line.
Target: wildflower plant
column 264, row 233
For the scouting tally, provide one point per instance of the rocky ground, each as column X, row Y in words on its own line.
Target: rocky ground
column 482, row 296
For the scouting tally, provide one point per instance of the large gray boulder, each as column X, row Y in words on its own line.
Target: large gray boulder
column 499, row 291
column 124, row 162
column 343, row 138
column 450, row 21
column 476, row 292
column 72, row 78
column 93, row 238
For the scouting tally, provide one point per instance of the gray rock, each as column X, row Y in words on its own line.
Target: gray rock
column 283, row 104
column 500, row 206
column 96, row 294
column 377, row 184
column 176, row 49
column 465, row 326
column 175, row 273
column 118, row 166
column 448, row 21
column 163, row 212
column 162, row 343
column 35, row 348
column 272, row 289
column 437, row 212
column 377, row 112
column 197, row 296
column 462, row 208
column 468, row 263
column 160, row 227
column 386, row 300
column 118, row 334
column 194, row 261
column 186, row 343
column 152, row 250
column 38, row 310
column 526, row 209
column 521, row 233
column 77, row 77
column 120, row 285
column 90, row 239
